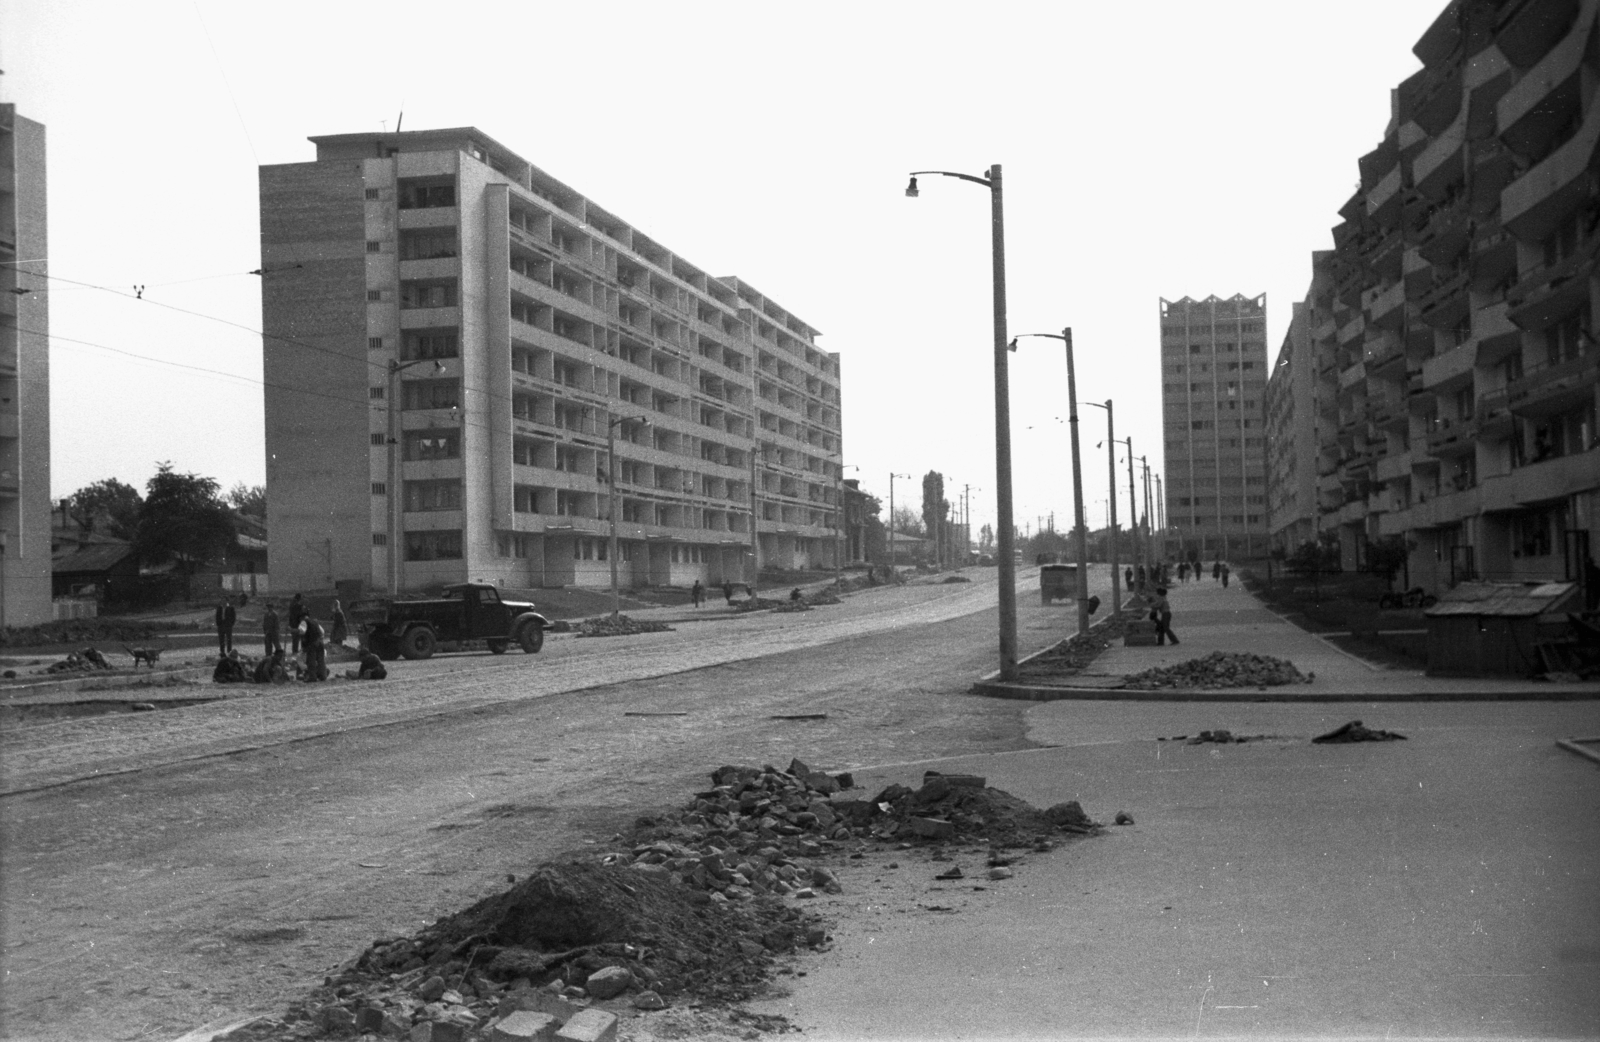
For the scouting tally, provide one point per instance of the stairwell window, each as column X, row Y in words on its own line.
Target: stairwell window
column 428, row 293
column 433, row 546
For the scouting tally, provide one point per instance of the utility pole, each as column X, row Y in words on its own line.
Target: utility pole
column 1133, row 505
column 755, row 540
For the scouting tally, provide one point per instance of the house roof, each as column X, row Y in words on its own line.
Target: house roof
column 1505, row 600
column 96, row 557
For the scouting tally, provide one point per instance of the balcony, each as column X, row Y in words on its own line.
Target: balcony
column 1535, row 27
column 1445, row 305
column 1494, row 254
column 1493, row 167
column 1387, row 308
column 1383, row 352
column 1447, row 232
column 1445, row 371
column 1535, row 203
column 1496, row 334
column 1352, row 375
column 1383, row 201
column 1552, row 291
column 1550, row 389
column 1538, row 104
column 1438, row 166
column 1493, row 416
column 1542, row 482
column 1394, row 467
column 1351, row 332
column 1452, row 438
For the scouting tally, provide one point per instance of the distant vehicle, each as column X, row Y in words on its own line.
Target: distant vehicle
column 1058, row 581
column 986, row 560
column 1416, row 597
column 466, row 612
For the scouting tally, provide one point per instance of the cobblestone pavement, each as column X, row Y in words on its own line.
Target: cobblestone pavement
column 249, row 717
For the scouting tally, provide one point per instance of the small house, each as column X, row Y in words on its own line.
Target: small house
column 1496, row 629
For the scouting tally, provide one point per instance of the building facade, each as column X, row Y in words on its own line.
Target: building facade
column 1293, row 422
column 24, row 374
column 455, row 345
column 1458, row 373
column 1213, row 396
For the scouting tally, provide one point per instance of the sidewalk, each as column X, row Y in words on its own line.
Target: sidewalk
column 1208, row 617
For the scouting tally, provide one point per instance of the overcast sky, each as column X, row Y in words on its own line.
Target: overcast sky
column 1154, row 149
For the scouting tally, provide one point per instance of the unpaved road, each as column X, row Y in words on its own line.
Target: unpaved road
column 216, row 860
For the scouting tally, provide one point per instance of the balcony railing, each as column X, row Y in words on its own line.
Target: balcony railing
column 1548, row 291
column 1548, row 389
column 1446, row 303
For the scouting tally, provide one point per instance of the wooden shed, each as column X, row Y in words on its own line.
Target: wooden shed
column 1493, row 629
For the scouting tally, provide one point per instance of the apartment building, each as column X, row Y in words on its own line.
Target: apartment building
column 24, row 374
column 1457, row 367
column 1213, row 398
column 1292, row 427
column 455, row 344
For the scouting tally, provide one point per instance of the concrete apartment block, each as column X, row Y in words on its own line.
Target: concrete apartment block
column 1293, row 424
column 1213, row 397
column 453, row 338
column 1458, row 371
column 24, row 374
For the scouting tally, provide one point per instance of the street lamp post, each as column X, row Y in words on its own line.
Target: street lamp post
column 1002, row 415
column 889, row 534
column 1065, row 336
column 1111, row 524
column 611, row 479
column 394, row 488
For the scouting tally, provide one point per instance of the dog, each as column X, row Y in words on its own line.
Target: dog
column 149, row 656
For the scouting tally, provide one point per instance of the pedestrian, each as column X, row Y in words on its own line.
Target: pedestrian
column 1128, row 575
column 794, row 594
column 226, row 617
column 1161, row 614
column 316, row 649
column 1141, row 577
column 297, row 615
column 371, row 667
column 1183, row 571
column 727, row 591
column 340, row 625
column 697, row 593
column 1216, row 570
column 269, row 630
column 1224, row 576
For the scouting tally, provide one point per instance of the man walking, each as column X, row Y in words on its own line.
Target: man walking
column 1224, row 576
column 226, row 617
column 1161, row 613
column 697, row 593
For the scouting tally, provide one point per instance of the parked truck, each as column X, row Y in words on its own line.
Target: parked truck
column 466, row 612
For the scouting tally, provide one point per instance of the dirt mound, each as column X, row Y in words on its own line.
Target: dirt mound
column 618, row 626
column 1354, row 731
column 961, row 808
column 1070, row 656
column 1219, row 670
column 826, row 595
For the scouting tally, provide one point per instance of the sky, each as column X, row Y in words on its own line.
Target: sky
column 1158, row 149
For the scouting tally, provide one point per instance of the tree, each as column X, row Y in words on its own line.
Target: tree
column 1387, row 556
column 906, row 522
column 109, row 506
column 1315, row 557
column 249, row 499
column 184, row 519
column 985, row 538
column 934, row 508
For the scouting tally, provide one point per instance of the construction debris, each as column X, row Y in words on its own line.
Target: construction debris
column 618, row 626
column 1355, row 732
column 87, row 660
column 1220, row 670
column 1071, row 656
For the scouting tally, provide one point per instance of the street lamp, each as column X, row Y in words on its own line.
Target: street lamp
column 1002, row 415
column 1111, row 524
column 1065, row 336
column 893, row 561
column 395, row 489
column 838, row 517
column 611, row 478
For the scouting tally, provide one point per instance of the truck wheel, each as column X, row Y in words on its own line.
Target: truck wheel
column 498, row 647
column 531, row 637
column 418, row 643
column 386, row 648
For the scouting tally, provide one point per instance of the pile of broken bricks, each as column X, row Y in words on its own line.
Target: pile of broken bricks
column 1221, row 670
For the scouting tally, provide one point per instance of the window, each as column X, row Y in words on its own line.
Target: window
column 426, row 445
column 378, row 439
column 430, row 394
column 428, row 244
column 417, row 196
column 372, row 193
column 374, row 295
column 375, row 343
column 441, row 494
column 374, row 246
column 525, row 499
column 375, row 393
column 379, row 539
column 431, row 344
column 433, row 546
column 379, row 489
column 428, row 293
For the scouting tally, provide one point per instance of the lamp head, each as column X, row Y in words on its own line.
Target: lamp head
column 438, row 366
column 911, row 189
column 1013, row 345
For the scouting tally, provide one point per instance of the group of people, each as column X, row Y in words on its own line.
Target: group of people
column 278, row 664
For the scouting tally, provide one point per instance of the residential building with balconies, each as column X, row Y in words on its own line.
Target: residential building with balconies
column 1292, row 419
column 24, row 374
column 455, row 345
column 1462, row 386
column 1213, row 396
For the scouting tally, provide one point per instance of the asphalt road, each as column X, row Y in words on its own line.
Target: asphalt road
column 166, row 870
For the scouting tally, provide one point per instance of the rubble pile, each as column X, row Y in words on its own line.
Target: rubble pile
column 1221, row 736
column 955, row 579
column 755, row 603
column 1221, row 669
column 1355, row 732
column 826, row 595
column 1069, row 657
column 618, row 626
column 791, row 605
column 87, row 660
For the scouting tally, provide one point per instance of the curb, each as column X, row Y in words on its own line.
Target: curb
column 1040, row 693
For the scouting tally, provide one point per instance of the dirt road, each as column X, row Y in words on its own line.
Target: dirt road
column 245, row 847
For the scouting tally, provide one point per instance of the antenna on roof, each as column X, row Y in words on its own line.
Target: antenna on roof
column 402, row 118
